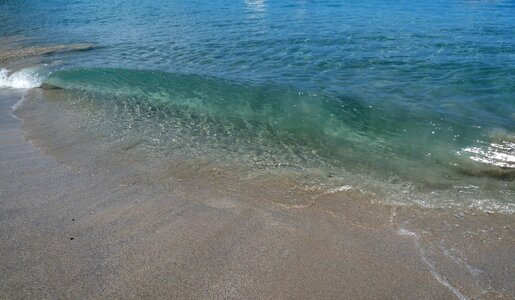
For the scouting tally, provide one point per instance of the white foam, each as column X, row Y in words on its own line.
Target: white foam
column 339, row 189
column 432, row 269
column 18, row 104
column 22, row 79
column 406, row 232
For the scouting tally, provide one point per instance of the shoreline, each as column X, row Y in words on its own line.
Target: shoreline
column 134, row 236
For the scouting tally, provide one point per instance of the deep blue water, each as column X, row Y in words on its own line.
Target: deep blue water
column 410, row 93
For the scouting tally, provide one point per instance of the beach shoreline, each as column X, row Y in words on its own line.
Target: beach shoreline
column 257, row 149
column 127, row 228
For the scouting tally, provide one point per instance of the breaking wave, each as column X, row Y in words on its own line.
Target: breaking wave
column 22, row 79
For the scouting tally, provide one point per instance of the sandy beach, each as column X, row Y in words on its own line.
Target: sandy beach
column 125, row 228
column 257, row 149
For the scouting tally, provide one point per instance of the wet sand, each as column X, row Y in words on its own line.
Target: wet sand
column 85, row 220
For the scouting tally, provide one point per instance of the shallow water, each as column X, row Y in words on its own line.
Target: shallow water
column 413, row 102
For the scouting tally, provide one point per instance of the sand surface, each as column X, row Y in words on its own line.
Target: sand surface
column 89, row 230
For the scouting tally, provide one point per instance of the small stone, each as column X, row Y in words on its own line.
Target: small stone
column 459, row 215
column 71, row 239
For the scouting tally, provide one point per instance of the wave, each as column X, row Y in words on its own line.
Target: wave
column 404, row 156
column 501, row 155
column 339, row 129
column 23, row 79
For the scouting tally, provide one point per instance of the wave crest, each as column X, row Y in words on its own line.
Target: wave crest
column 22, row 79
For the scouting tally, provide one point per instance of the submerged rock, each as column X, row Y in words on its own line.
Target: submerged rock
column 47, row 86
column 13, row 54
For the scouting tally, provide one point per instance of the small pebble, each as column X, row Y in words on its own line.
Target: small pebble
column 459, row 215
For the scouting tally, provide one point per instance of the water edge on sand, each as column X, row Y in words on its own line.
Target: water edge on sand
column 83, row 216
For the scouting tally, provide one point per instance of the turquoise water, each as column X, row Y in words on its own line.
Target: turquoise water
column 415, row 99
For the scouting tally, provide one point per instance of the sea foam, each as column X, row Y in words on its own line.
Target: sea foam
column 22, row 79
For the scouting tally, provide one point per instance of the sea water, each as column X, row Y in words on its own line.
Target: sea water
column 413, row 101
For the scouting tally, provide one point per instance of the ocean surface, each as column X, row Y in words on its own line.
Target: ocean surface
column 412, row 102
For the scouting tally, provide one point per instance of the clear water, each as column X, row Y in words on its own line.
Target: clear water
column 410, row 99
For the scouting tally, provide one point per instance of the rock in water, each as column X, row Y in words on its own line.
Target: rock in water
column 37, row 51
